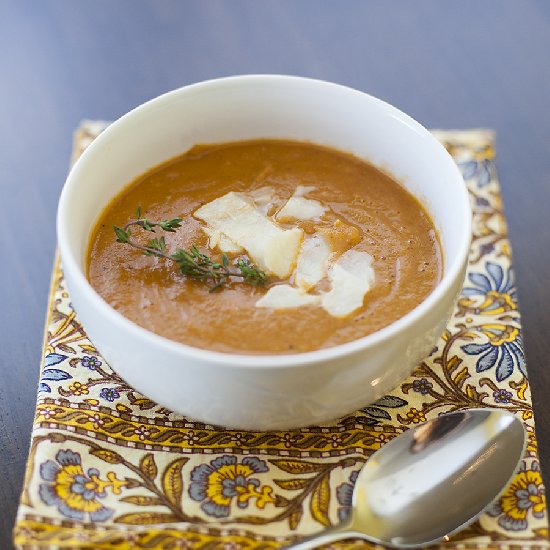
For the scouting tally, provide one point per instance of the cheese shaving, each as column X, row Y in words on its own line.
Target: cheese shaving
column 286, row 297
column 216, row 239
column 300, row 208
column 352, row 277
column 263, row 198
column 312, row 262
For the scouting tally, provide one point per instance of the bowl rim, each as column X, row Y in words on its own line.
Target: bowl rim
column 261, row 360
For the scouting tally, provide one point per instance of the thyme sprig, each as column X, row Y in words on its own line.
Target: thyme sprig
column 192, row 263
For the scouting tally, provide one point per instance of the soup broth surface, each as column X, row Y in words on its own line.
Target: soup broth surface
column 390, row 224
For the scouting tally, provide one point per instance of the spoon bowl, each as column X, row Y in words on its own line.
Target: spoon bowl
column 431, row 481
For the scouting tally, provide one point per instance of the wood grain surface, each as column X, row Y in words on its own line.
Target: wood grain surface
column 448, row 64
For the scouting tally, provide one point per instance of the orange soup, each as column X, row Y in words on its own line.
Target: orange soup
column 344, row 248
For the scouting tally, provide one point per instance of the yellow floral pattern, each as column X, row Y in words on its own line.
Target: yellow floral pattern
column 75, row 492
column 110, row 469
column 525, row 496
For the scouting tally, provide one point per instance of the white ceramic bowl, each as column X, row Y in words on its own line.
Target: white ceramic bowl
column 274, row 391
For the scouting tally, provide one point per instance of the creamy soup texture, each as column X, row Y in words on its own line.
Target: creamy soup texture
column 346, row 249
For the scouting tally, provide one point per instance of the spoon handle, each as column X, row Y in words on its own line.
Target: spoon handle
column 338, row 532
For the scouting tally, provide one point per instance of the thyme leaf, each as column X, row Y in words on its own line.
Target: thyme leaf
column 191, row 263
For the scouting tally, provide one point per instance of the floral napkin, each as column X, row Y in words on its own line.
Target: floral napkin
column 109, row 468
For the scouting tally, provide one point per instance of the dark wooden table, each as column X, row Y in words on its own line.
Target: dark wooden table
column 448, row 64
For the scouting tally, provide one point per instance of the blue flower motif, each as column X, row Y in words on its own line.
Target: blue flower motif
column 344, row 495
column 422, row 386
column 497, row 282
column 481, row 169
column 215, row 485
column 110, row 394
column 486, row 248
column 482, row 201
column 503, row 350
column 90, row 362
column 73, row 491
column 502, row 396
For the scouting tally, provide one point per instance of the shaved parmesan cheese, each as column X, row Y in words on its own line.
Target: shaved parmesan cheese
column 351, row 277
column 303, row 190
column 263, row 198
column 219, row 240
column 272, row 248
column 312, row 262
column 300, row 208
column 286, row 297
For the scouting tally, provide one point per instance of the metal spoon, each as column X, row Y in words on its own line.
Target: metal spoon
column 431, row 481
